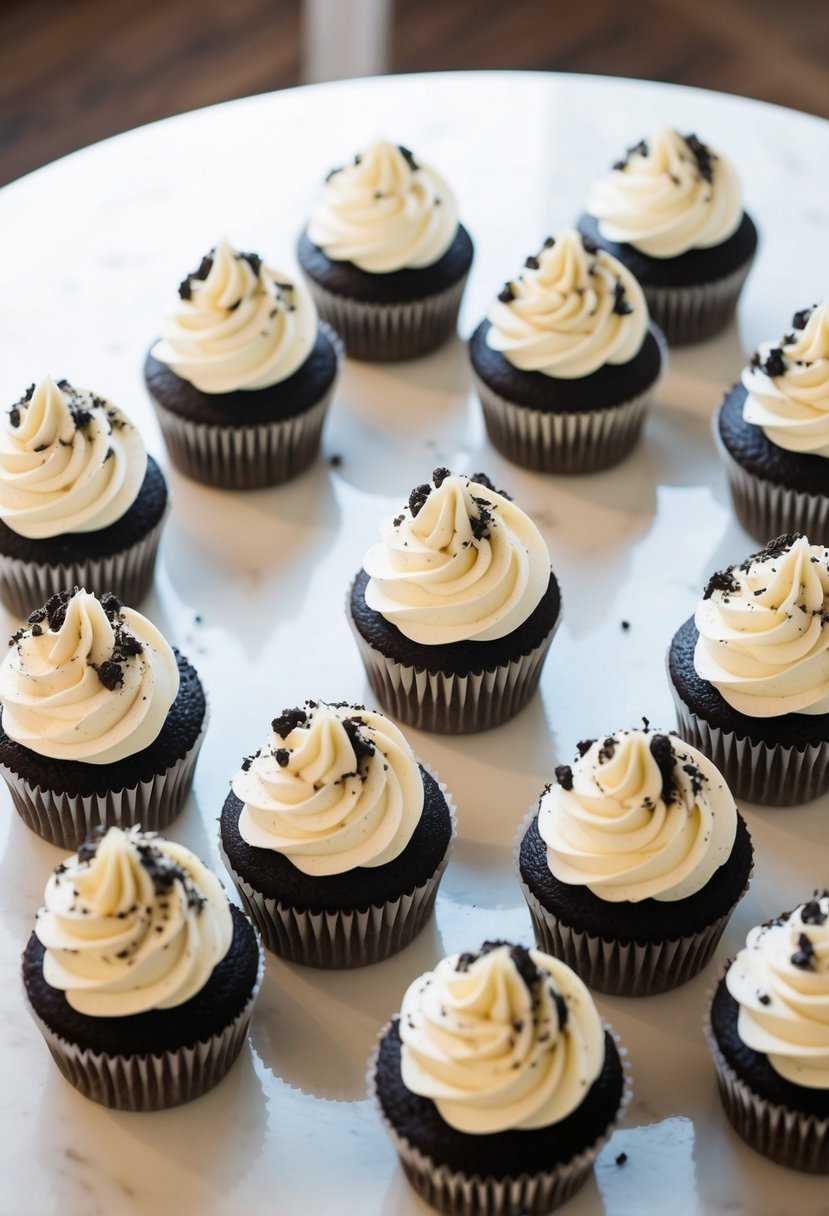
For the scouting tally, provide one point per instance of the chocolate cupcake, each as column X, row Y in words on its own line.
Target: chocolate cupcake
column 81, row 503
column 749, row 673
column 633, row 862
column 773, row 433
column 139, row 974
column 768, row 1030
column 565, row 362
column 336, row 837
column 455, row 609
column 672, row 212
column 385, row 256
column 101, row 721
column 243, row 374
column 498, row 1083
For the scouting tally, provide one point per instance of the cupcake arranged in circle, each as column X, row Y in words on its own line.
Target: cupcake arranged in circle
column 768, row 1031
column 454, row 610
column 101, row 720
column 140, row 975
column 243, row 373
column 565, row 361
column 385, row 256
column 633, row 862
column 671, row 210
column 336, row 837
column 81, row 502
column 749, row 673
column 773, row 433
column 498, row 1083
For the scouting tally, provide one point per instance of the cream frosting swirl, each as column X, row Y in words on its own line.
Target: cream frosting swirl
column 385, row 212
column 87, row 679
column 764, row 631
column 638, row 816
column 572, row 310
column 781, row 982
column 508, row 1038
column 238, row 325
column 70, row 461
column 670, row 194
column 132, row 923
column 788, row 386
column 334, row 787
column 460, row 562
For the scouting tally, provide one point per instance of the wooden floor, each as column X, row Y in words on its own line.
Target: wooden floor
column 75, row 71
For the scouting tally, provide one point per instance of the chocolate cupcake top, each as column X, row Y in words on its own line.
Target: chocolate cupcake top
column 237, row 325
column 788, row 386
column 764, row 631
column 385, row 211
column 70, row 461
column 333, row 788
column 460, row 562
column 132, row 922
column 87, row 679
column 573, row 309
column 505, row 1038
column 781, row 983
column 639, row 815
column 671, row 193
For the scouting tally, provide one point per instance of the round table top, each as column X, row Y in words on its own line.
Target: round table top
column 251, row 587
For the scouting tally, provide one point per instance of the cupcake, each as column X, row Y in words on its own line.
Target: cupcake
column 384, row 255
column 749, row 673
column 773, row 433
column 565, row 363
column 672, row 211
column 80, row 499
column 336, row 837
column 633, row 862
column 498, row 1083
column 100, row 720
column 243, row 373
column 455, row 609
column 139, row 974
column 768, row 1031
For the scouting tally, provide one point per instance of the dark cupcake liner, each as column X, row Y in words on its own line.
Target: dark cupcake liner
column 385, row 333
column 768, row 774
column 456, row 1193
column 152, row 1082
column 129, row 574
column 766, row 510
column 68, row 820
column 796, row 1140
column 692, row 314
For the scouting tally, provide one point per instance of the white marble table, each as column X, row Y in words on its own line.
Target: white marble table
column 251, row 588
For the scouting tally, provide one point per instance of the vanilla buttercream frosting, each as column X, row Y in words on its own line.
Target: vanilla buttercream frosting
column 639, row 815
column 386, row 211
column 670, row 194
column 87, row 679
column 237, row 325
column 333, row 788
column 508, row 1038
column 764, row 631
column 70, row 461
column 460, row 562
column 573, row 309
column 787, row 383
column 132, row 923
column 781, row 983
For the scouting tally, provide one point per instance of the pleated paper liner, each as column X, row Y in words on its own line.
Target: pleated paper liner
column 26, row 585
column 692, row 314
column 796, row 1140
column 767, row 510
column 456, row 1193
column 152, row 1081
